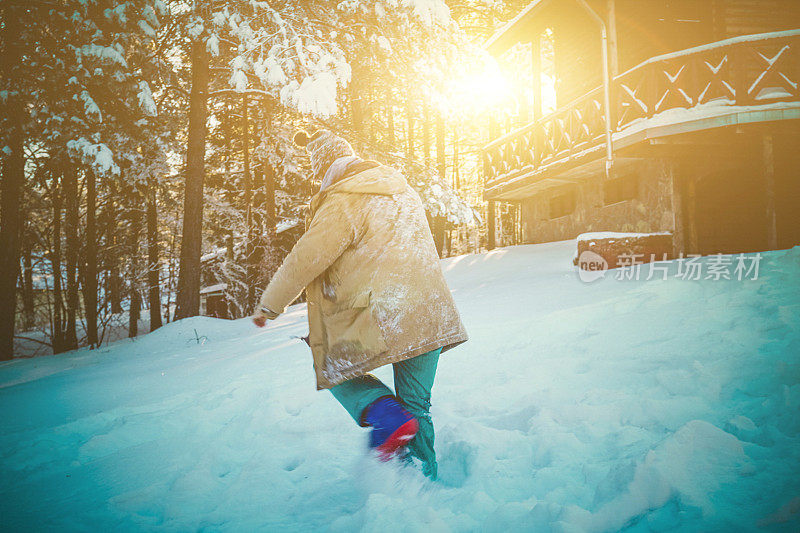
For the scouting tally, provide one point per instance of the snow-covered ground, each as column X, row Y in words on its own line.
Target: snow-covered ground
column 614, row 405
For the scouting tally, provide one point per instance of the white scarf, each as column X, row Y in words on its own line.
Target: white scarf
column 336, row 170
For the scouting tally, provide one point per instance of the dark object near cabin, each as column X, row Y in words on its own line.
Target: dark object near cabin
column 626, row 249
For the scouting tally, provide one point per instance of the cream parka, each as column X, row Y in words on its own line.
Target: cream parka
column 374, row 286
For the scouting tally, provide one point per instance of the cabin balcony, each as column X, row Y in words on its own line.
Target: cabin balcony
column 734, row 83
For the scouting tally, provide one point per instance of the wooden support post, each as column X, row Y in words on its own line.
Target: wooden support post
column 536, row 66
column 613, row 58
column 692, row 246
column 490, row 226
column 769, row 192
column 678, row 207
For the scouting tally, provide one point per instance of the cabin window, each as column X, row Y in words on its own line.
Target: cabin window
column 621, row 189
column 562, row 204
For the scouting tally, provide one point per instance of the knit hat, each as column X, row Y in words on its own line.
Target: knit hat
column 324, row 147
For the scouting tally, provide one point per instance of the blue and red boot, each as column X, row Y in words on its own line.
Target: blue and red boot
column 392, row 426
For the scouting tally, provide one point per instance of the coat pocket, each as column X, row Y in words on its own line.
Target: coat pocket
column 353, row 334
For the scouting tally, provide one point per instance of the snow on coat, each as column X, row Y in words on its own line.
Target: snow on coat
column 375, row 290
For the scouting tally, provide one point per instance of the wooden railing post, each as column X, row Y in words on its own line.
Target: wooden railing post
column 490, row 240
column 693, row 78
column 737, row 57
column 536, row 67
column 490, row 226
column 769, row 192
column 650, row 91
column 795, row 63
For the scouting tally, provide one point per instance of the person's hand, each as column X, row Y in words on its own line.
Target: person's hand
column 262, row 315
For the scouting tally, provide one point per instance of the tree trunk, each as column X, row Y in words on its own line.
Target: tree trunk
column 439, row 225
column 55, row 261
column 410, row 132
column 13, row 178
column 71, row 254
column 426, row 133
column 390, row 137
column 134, row 313
column 135, row 308
column 112, row 251
column 357, row 112
column 29, row 313
column 226, row 129
column 441, row 157
column 188, row 299
column 171, row 279
column 271, row 258
column 439, row 235
column 248, row 199
column 154, row 263
column 90, row 275
column 456, row 177
column 12, row 183
column 269, row 187
column 369, row 111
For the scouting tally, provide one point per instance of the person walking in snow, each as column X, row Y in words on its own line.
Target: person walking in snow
column 376, row 295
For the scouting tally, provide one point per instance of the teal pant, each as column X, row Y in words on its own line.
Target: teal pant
column 413, row 380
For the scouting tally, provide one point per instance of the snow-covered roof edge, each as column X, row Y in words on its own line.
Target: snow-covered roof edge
column 602, row 235
column 219, row 287
column 493, row 40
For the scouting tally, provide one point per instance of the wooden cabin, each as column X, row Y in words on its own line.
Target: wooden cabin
column 215, row 293
column 704, row 115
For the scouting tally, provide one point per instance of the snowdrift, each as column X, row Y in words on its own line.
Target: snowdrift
column 614, row 405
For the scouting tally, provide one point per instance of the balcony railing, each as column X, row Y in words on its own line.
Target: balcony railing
column 752, row 70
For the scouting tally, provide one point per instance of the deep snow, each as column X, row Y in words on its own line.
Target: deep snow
column 637, row 405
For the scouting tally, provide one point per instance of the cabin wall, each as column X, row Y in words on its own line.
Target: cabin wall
column 713, row 200
column 745, row 17
column 647, row 28
column 651, row 210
